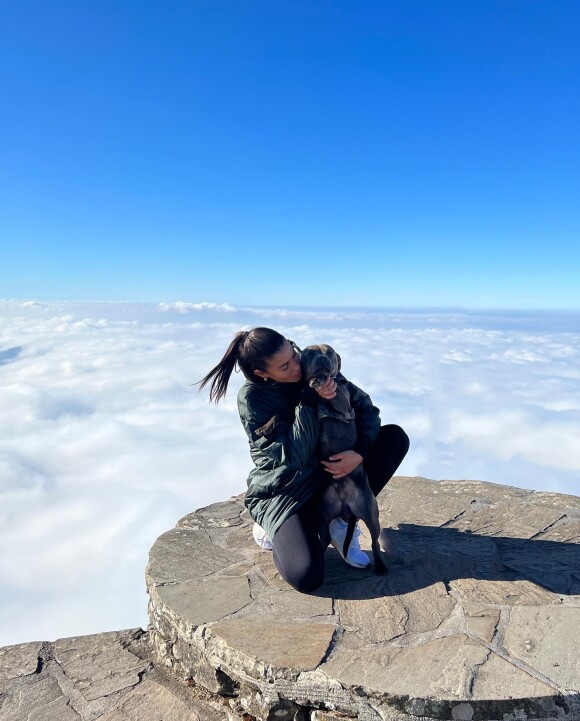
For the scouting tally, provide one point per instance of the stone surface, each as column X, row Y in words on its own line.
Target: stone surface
column 276, row 642
column 507, row 593
column 102, row 677
column 482, row 621
column 371, row 620
column 293, row 605
column 150, row 700
column 446, row 664
column 206, row 600
column 41, row 701
column 19, row 660
column 547, row 639
column 98, row 665
column 185, row 554
column 476, row 620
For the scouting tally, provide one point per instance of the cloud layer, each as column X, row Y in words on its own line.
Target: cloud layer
column 105, row 444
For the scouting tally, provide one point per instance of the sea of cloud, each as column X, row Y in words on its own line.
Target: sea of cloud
column 105, row 442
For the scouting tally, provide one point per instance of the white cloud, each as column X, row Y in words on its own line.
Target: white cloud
column 505, row 434
column 105, row 443
column 182, row 307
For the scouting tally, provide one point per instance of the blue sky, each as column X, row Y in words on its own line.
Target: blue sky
column 291, row 153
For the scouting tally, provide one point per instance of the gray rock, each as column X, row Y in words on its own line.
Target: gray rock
column 473, row 568
column 546, row 639
column 507, row 593
column 476, row 621
column 151, row 702
column 20, row 660
column 272, row 641
column 371, row 620
column 291, row 605
column 185, row 554
column 98, row 665
column 40, row 701
column 106, row 662
column 482, row 621
column 218, row 515
column 205, row 600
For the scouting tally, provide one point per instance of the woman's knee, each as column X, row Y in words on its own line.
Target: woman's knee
column 396, row 435
column 305, row 578
column 307, row 582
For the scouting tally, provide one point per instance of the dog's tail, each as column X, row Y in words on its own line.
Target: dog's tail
column 349, row 534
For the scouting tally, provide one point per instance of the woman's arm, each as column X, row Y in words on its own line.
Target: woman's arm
column 291, row 445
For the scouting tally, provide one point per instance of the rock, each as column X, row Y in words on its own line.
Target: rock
column 207, row 600
column 185, row 554
column 41, row 701
column 507, row 593
column 98, row 665
column 96, row 678
column 476, row 571
column 476, row 621
column 371, row 620
column 446, row 669
column 482, row 621
column 546, row 639
column 219, row 515
column 274, row 642
column 150, row 702
column 19, row 660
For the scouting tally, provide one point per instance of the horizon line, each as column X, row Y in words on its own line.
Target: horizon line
column 240, row 307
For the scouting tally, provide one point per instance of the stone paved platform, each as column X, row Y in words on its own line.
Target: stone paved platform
column 477, row 620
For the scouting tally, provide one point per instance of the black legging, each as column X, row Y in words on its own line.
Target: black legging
column 297, row 546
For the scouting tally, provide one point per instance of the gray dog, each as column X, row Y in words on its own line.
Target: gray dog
column 349, row 496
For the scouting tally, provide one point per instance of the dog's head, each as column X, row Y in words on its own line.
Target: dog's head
column 319, row 363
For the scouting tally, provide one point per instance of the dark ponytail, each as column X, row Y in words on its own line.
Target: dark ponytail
column 250, row 350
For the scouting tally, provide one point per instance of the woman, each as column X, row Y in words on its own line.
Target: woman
column 287, row 480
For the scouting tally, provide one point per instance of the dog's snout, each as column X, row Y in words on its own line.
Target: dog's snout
column 319, row 365
column 319, row 380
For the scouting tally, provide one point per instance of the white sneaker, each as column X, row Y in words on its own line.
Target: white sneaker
column 261, row 538
column 355, row 556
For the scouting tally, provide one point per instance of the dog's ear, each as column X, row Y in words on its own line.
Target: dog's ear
column 328, row 350
column 339, row 361
column 305, row 356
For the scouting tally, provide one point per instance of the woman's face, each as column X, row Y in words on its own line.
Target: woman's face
column 283, row 366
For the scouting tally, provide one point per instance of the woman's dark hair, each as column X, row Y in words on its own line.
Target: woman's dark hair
column 250, row 350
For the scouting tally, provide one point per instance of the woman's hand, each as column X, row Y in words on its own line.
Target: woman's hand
column 327, row 390
column 341, row 464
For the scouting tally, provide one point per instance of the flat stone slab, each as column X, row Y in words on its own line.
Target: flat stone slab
column 151, row 700
column 19, row 660
column 101, row 677
column 206, row 600
column 41, row 701
column 274, row 642
column 98, row 665
column 476, row 620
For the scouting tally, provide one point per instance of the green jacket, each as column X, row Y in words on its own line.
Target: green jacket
column 283, row 477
